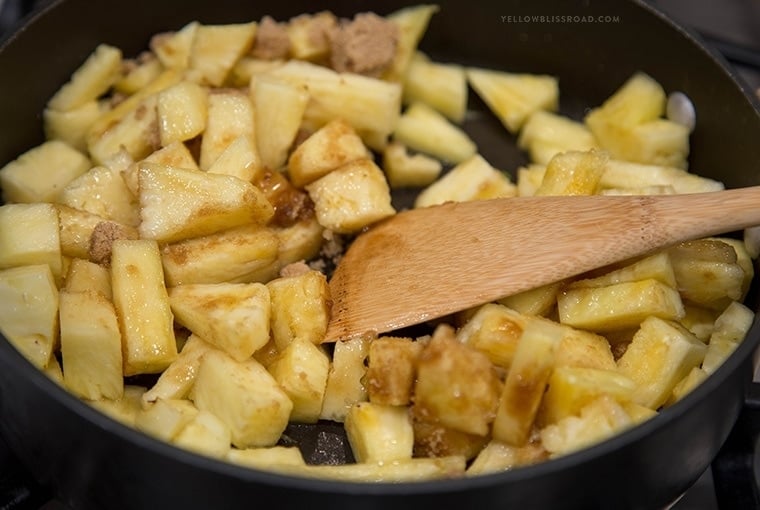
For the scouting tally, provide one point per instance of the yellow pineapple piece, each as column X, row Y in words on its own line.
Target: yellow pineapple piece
column 138, row 73
column 529, row 179
column 300, row 308
column 661, row 354
column 626, row 174
column 103, row 192
column 513, row 97
column 308, row 35
column 229, row 115
column 72, row 126
column 538, row 301
column 182, row 110
column 137, row 132
column 639, row 99
column 248, row 67
column 174, row 154
column 526, row 382
column 216, row 48
column 694, row 378
column 30, row 177
column 618, row 306
column 426, row 130
column 29, row 234
column 300, row 241
column 165, row 418
column 83, row 276
column 173, row 48
column 699, row 320
column 176, row 381
column 199, row 203
column 407, row 470
column 730, row 328
column 205, row 434
column 244, row 396
column 468, row 401
column 90, row 346
column 439, row 85
column 233, row 317
column 91, row 80
column 267, row 457
column 573, row 173
column 546, row 134
column 655, row 267
column 301, row 370
column 379, row 433
column 392, row 370
column 744, row 260
column 53, row 371
column 433, row 439
column 405, row 170
column 472, row 179
column 658, row 142
column 497, row 456
column 412, row 22
column 29, row 311
column 240, row 159
column 332, row 146
column 76, row 228
column 123, row 410
column 142, row 306
column 351, row 197
column 280, row 106
column 237, row 255
column 345, row 381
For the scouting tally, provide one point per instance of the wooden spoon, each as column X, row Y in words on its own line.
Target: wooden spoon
column 426, row 263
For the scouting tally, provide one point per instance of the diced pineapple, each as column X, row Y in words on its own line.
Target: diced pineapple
column 165, row 418
column 29, row 234
column 729, row 331
column 39, row 174
column 240, row 159
column 205, row 434
column 529, row 179
column 699, row 320
column 248, row 67
column 660, row 354
column 546, row 134
column 182, row 110
column 392, row 370
column 237, row 255
column 345, row 381
column 216, row 48
column 280, row 106
column 538, row 301
column 472, row 179
column 439, row 85
column 513, row 97
column 174, row 154
column 142, row 306
column 332, row 146
column 233, row 317
column 468, row 400
column 619, row 306
column 372, row 106
column 76, row 228
column 433, row 439
column 71, row 126
column 640, row 99
column 685, row 386
column 179, row 204
column 412, row 22
column 244, row 396
column 744, row 260
column 90, row 346
column 173, row 48
column 379, row 433
column 351, row 197
column 123, row 410
column 176, row 381
column 300, row 308
column 404, row 170
column 138, row 73
column 137, row 132
column 266, row 458
column 584, row 349
column 494, row 330
column 497, row 456
column 526, row 382
column 308, row 35
column 659, row 142
column 29, row 311
column 573, row 173
column 300, row 241
column 717, row 352
column 301, row 370
column 655, row 267
column 103, row 192
column 408, row 470
column 426, row 130
column 229, row 115
column 92, row 79
column 626, row 174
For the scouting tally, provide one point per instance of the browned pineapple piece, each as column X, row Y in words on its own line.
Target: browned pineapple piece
column 497, row 456
column 229, row 115
column 76, row 228
column 657, row 267
column 138, row 73
column 573, row 173
column 433, row 439
column 300, row 307
column 538, row 301
column 309, row 35
column 345, row 381
column 216, row 48
column 176, row 381
column 103, row 192
column 301, row 370
column 379, row 433
column 83, row 276
column 392, row 370
column 136, row 131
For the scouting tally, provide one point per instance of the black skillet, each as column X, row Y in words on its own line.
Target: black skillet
column 95, row 463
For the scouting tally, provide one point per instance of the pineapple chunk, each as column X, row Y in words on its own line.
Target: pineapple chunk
column 30, row 177
column 573, row 173
column 300, row 308
column 268, row 458
column 76, row 228
column 426, row 130
column 529, row 179
column 379, row 433
column 526, row 382
column 441, row 86
column 468, row 400
column 83, row 275
column 29, row 311
column 165, row 418
column 659, row 142
column 233, row 317
column 240, row 159
column 546, row 134
column 280, row 106
column 744, row 260
column 308, row 35
column 626, row 174
column 351, row 197
column 205, row 434
column 729, row 331
column 138, row 73
column 29, row 234
column 301, row 370
column 103, row 192
column 174, row 154
column 655, row 267
column 538, row 301
column 497, row 456
column 619, row 306
column 92, row 79
column 123, row 410
column 494, row 330
column 412, row 22
column 173, row 48
column 514, row 97
column 392, row 370
column 176, row 381
column 137, row 132
column 244, row 396
column 433, row 439
column 182, row 110
column 685, row 386
column 216, row 48
column 407, row 470
column 179, row 204
column 142, row 306
column 472, row 179
column 300, row 241
column 237, row 255
column 640, row 99
column 332, row 146
column 699, row 320
column 229, row 115
column 345, row 381
column 90, row 346
column 660, row 354
column 71, row 126
column 248, row 67
column 404, row 170
column 372, row 106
